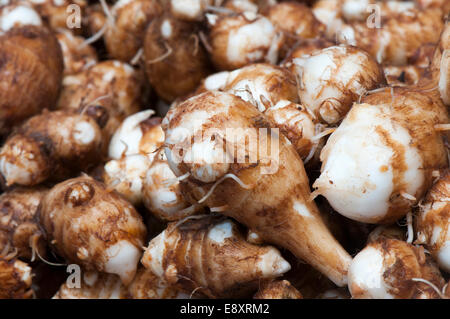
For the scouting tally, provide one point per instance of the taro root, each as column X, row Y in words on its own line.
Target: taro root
column 94, row 227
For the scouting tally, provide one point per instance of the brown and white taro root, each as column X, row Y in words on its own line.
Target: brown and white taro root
column 89, row 225
column 20, row 232
column 208, row 254
column 162, row 193
column 77, row 54
column 95, row 285
column 267, row 191
column 125, row 28
column 15, row 279
column 433, row 221
column 31, row 62
column 395, row 39
column 239, row 40
column 175, row 59
column 262, row 84
column 132, row 149
column 108, row 91
column 394, row 269
column 296, row 21
column 277, row 289
column 273, row 91
column 332, row 79
column 379, row 162
column 54, row 145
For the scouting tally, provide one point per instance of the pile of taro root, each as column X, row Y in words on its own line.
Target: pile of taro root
column 262, row 149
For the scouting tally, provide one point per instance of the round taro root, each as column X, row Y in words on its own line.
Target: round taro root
column 332, row 79
column 31, row 65
column 238, row 40
column 175, row 60
column 296, row 21
column 393, row 269
column 94, row 227
column 124, row 36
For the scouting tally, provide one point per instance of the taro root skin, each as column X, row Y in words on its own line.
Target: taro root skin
column 19, row 228
column 15, row 279
column 433, row 221
column 388, row 269
column 278, row 289
column 387, row 149
column 31, row 62
column 175, row 60
column 243, row 39
column 125, row 35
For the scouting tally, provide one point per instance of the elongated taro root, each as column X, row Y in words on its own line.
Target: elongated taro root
column 175, row 60
column 108, row 91
column 332, row 79
column 379, row 161
column 15, row 279
column 31, row 62
column 433, row 221
column 77, row 55
column 277, row 289
column 94, row 227
column 132, row 150
column 51, row 145
column 388, row 269
column 281, row 213
column 238, row 40
column 125, row 31
column 209, row 254
column 19, row 229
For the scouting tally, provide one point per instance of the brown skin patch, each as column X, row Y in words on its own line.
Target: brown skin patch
column 399, row 167
column 181, row 71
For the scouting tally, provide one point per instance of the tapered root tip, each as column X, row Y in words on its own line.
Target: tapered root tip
column 272, row 264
